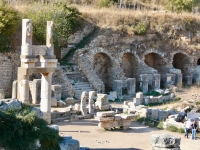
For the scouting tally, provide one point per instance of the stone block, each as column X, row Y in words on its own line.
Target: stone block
column 77, row 107
column 53, row 102
column 131, row 86
column 179, row 78
column 69, row 101
column 165, row 141
column 69, row 143
column 105, row 114
column 139, row 96
column 188, row 80
column 117, row 86
column 36, row 91
column 60, row 103
column 113, row 93
column 14, row 89
column 2, row 94
column 57, row 89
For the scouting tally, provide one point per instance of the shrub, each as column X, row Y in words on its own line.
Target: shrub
column 140, row 28
column 9, row 23
column 172, row 128
column 160, row 125
column 66, row 19
column 20, row 128
column 105, row 3
column 181, row 130
column 197, row 103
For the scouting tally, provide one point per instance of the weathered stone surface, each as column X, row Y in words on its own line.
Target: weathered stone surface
column 83, row 103
column 38, row 112
column 13, row 104
column 69, row 101
column 53, row 102
column 69, row 144
column 60, row 103
column 105, row 114
column 91, row 102
column 165, row 141
column 102, row 102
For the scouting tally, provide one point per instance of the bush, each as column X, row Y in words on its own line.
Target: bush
column 172, row 128
column 105, row 3
column 20, row 128
column 160, row 125
column 181, row 130
column 140, row 28
column 9, row 23
column 66, row 20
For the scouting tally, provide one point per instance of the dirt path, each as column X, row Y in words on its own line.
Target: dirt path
column 138, row 137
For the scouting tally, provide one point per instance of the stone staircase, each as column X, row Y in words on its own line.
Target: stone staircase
column 79, row 87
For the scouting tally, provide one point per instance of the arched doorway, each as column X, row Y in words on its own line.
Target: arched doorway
column 182, row 62
column 130, row 65
column 103, row 67
column 198, row 62
column 157, row 62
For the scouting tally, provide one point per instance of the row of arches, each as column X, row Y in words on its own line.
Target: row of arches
column 103, row 65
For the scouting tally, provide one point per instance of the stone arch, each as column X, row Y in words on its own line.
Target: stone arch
column 103, row 65
column 157, row 62
column 183, row 62
column 130, row 65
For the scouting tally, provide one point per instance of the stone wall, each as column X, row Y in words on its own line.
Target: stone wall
column 8, row 71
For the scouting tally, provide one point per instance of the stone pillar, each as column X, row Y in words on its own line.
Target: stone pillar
column 179, row 78
column 131, row 86
column 156, row 81
column 26, row 48
column 117, row 86
column 36, row 91
column 49, row 39
column 91, row 102
column 144, row 82
column 188, row 80
column 83, row 103
column 14, row 89
column 45, row 104
column 57, row 89
column 23, row 87
column 139, row 96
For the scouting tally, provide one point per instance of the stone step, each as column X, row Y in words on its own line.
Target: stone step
column 82, row 83
column 60, row 119
column 83, row 89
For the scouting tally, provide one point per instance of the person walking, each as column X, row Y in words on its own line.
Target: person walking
column 194, row 129
column 187, row 127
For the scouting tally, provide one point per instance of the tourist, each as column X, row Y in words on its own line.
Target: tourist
column 187, row 127
column 194, row 129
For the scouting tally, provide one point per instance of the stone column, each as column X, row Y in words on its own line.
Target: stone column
column 14, row 89
column 144, row 82
column 83, row 103
column 49, row 39
column 131, row 86
column 91, row 102
column 156, row 81
column 179, row 78
column 139, row 96
column 45, row 104
column 23, row 87
column 57, row 89
column 188, row 80
column 197, row 78
column 117, row 86
column 36, row 91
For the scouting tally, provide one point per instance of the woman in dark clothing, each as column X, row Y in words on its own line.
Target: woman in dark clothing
column 194, row 129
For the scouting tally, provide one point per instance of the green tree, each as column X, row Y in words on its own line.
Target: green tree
column 9, row 23
column 66, row 20
column 180, row 5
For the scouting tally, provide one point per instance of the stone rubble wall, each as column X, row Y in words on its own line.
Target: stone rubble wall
column 86, row 67
column 59, row 77
column 8, row 71
column 75, row 38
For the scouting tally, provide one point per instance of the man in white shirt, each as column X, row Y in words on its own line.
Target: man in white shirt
column 187, row 127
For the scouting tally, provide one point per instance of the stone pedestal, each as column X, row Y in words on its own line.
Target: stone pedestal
column 117, row 86
column 23, row 87
column 83, row 103
column 197, row 78
column 156, row 81
column 139, row 96
column 131, row 86
column 57, row 89
column 45, row 104
column 91, row 102
column 179, row 78
column 144, row 82
column 14, row 90
column 188, row 80
column 36, row 91
column 102, row 102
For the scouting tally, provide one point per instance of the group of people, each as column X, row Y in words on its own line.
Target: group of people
column 191, row 125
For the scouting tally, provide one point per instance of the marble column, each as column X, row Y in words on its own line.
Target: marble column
column 23, row 86
column 131, row 86
column 179, row 78
column 14, row 89
column 36, row 91
column 45, row 104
